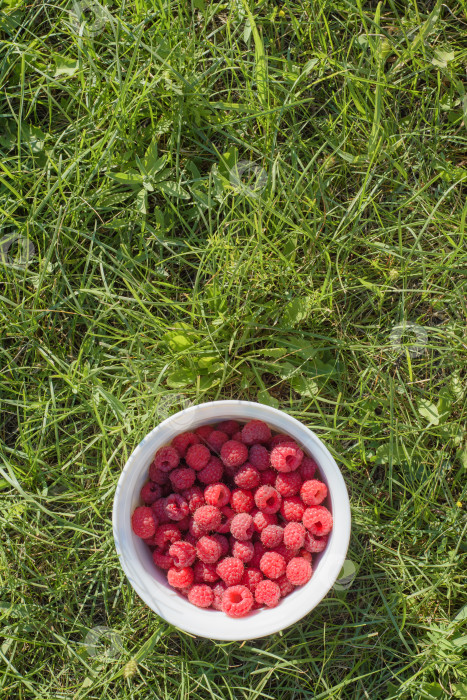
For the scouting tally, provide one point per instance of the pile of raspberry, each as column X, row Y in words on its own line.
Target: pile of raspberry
column 234, row 515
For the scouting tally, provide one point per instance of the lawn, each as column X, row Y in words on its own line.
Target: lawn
column 208, row 200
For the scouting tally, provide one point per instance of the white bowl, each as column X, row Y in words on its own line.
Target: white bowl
column 150, row 582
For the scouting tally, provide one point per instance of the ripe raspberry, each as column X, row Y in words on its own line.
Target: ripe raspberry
column 278, row 440
column 182, row 478
column 318, row 520
column 180, row 578
column 150, row 493
column 298, row 571
column 205, row 573
column 183, row 441
column 288, row 484
column 234, row 453
column 226, row 518
column 241, row 500
column 182, row 553
column 306, row 555
column 242, row 527
column 243, row 550
column 159, row 478
column 217, row 495
column 294, row 535
column 166, row 458
column 292, row 508
column 197, row 456
column 176, row 507
column 184, row 523
column 196, row 530
column 218, row 591
column 191, row 539
column 166, row 535
column 258, row 456
column 285, row 586
column 313, row 492
column 204, row 431
column 223, row 542
column 268, row 477
column 267, row 593
column 247, row 476
column 229, row 426
column 143, row 522
column 201, row 595
column 286, row 457
column 230, row 570
column 255, row 431
column 208, row 517
column 194, row 497
column 259, row 551
column 237, row 601
column 162, row 558
column 267, row 499
column 212, row 472
column 285, row 552
column 262, row 520
column 216, row 439
column 307, row 468
column 208, row 549
column 251, row 577
column 158, row 508
column 237, row 436
column 315, row 544
column 272, row 564
column 272, row 536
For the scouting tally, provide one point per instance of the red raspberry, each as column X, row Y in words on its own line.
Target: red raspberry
column 194, row 497
column 176, row 507
column 149, row 541
column 278, row 440
column 272, row 536
column 267, row 593
column 307, row 468
column 272, row 564
column 182, row 553
column 258, row 456
column 234, row 453
column 208, row 550
column 159, row 478
column 158, row 508
column 144, row 522
column 255, row 431
column 237, row 436
column 267, row 499
column 191, row 539
column 180, row 578
column 183, row 441
column 242, row 527
column 201, row 595
column 166, row 459
column 262, row 520
column 315, row 544
column 204, row 431
column 150, row 493
column 196, row 530
column 223, row 542
column 286, row 457
column 226, row 518
column 237, row 601
column 292, row 508
column 318, row 520
column 247, row 477
column 228, row 426
column 259, row 551
column 268, row 477
column 285, row 586
column 288, row 484
column 161, row 558
column 184, row 523
column 216, row 439
column 241, row 500
column 167, row 535
column 182, row 478
column 285, row 552
column 212, row 472
column 205, row 573
column 197, row 457
column 208, row 517
column 306, row 555
column 230, row 570
column 251, row 577
column 217, row 495
column 218, row 591
column 243, row 550
column 313, row 492
column 298, row 571
column 294, row 535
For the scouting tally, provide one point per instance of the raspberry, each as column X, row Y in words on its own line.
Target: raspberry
column 292, row 508
column 208, row 550
column 286, row 457
column 237, row 436
column 318, row 520
column 201, row 595
column 161, row 558
column 226, row 518
column 166, row 458
column 267, row 593
column 150, row 493
column 278, row 439
column 194, row 497
column 158, row 508
column 247, row 477
column 272, row 564
column 288, row 484
column 204, row 431
column 234, row 453
column 223, row 542
column 307, row 468
column 251, row 577
column 218, row 591
column 294, row 535
column 228, row 426
column 237, row 601
column 298, row 571
column 180, row 578
column 216, row 439
column 197, row 457
column 230, row 570
column 182, row 478
column 268, row 477
column 315, row 544
column 191, row 539
column 272, row 536
column 143, row 522
column 241, row 500
column 285, row 586
column 267, row 499
column 183, row 441
column 262, row 520
column 212, row 472
column 259, row 551
column 258, row 456
column 196, row 530
column 306, row 555
column 285, row 552
column 208, row 517
column 313, row 492
column 182, row 553
column 166, row 535
column 176, row 507
column 242, row 527
column 243, row 550
column 217, row 495
column 159, row 478
column 255, row 431
column 184, row 523
column 205, row 573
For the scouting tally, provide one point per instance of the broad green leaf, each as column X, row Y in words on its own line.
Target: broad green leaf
column 461, row 615
column 181, row 337
column 65, row 66
column 33, row 137
column 142, row 202
column 227, row 162
column 304, row 386
column 265, row 397
column 206, row 362
column 442, row 58
column 199, row 5
column 151, row 162
column 129, row 178
column 180, row 378
column 432, row 690
column 429, row 411
column 296, row 310
column 173, row 189
column 460, row 690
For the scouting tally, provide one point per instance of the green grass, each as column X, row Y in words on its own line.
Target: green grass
column 357, row 113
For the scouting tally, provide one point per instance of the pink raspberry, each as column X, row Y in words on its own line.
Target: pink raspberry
column 241, row 500
column 196, row 530
column 167, row 534
column 258, row 456
column 285, row 586
column 251, row 577
column 208, row 517
column 143, row 522
column 292, row 508
column 315, row 544
column 204, row 431
column 286, row 457
column 212, row 472
column 228, row 426
column 255, row 431
column 218, row 591
column 306, row 555
column 272, row 536
column 208, row 549
column 166, row 459
column 243, row 550
column 176, row 507
column 197, row 457
column 205, row 573
column 268, row 477
column 230, row 570
column 294, row 535
column 262, row 520
column 223, row 543
column 259, row 551
column 226, row 518
column 201, row 595
column 158, row 508
column 313, row 492
column 237, row 601
column 318, row 520
column 183, row 441
column 247, row 477
column 217, row 495
column 288, row 484
column 194, row 497
column 285, row 552
column 162, row 559
column 216, row 439
column 242, row 527
column 267, row 593
column 182, row 553
column 180, row 578
column 272, row 565
column 298, row 571
column 182, row 478
column 237, row 436
column 234, row 453
column 278, row 440
column 156, row 476
column 267, row 499
column 150, row 493
column 307, row 468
